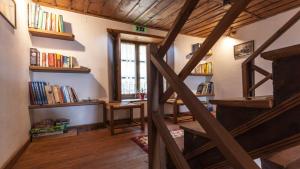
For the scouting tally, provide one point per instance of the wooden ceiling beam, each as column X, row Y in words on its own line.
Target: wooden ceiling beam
column 168, row 21
column 86, row 6
column 133, row 9
column 288, row 4
column 182, row 17
column 165, row 12
column 147, row 10
column 157, row 13
column 215, row 19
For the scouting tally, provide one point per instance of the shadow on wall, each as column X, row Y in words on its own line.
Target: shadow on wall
column 56, row 43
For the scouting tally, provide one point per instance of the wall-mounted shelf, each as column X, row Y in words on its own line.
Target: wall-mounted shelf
column 82, row 103
column 51, row 34
column 59, row 70
column 201, row 74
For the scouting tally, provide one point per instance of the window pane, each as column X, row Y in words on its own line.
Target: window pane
column 128, row 68
column 143, row 68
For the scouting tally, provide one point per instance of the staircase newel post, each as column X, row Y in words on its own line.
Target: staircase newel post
column 156, row 145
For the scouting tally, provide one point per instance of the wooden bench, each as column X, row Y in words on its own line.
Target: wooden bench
column 111, row 107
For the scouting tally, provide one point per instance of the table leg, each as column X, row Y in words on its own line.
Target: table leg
column 111, row 120
column 142, row 117
column 131, row 115
column 175, row 112
column 104, row 114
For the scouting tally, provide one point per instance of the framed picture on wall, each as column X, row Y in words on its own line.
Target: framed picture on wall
column 8, row 11
column 243, row 50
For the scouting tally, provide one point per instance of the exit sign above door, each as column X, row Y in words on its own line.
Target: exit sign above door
column 140, row 29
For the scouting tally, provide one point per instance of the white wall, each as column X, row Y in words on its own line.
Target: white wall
column 227, row 71
column 90, row 47
column 14, row 117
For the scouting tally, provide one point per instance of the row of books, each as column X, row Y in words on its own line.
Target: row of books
column 205, row 88
column 43, row 93
column 51, row 59
column 38, row 18
column 205, row 68
column 49, row 127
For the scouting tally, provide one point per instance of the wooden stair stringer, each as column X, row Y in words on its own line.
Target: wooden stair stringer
column 252, row 124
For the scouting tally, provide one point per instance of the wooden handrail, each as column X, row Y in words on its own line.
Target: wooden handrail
column 247, row 73
column 209, row 42
column 221, row 137
column 264, row 117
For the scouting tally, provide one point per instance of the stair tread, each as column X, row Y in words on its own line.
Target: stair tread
column 195, row 128
column 252, row 102
column 282, row 52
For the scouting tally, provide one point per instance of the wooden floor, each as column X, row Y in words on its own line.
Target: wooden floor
column 89, row 150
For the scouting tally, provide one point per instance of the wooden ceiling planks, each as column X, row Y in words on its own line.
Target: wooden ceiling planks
column 161, row 14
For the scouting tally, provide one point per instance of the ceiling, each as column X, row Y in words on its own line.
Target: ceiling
column 160, row 14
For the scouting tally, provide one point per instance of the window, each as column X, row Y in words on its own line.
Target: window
column 133, row 69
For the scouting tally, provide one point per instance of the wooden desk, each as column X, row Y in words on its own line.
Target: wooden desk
column 111, row 107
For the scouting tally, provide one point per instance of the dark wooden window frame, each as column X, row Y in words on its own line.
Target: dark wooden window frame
column 137, row 62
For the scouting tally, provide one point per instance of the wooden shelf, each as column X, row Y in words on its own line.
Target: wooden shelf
column 82, row 103
column 204, row 95
column 59, row 70
column 201, row 74
column 51, row 34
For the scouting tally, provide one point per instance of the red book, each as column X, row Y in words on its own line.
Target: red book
column 51, row 59
column 43, row 59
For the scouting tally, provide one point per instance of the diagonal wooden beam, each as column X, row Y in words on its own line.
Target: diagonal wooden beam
column 174, row 151
column 182, row 17
column 218, row 134
column 218, row 31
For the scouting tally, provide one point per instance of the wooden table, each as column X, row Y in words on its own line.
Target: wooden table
column 176, row 103
column 111, row 107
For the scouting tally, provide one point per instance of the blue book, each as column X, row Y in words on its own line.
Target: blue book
column 40, row 88
column 43, row 84
column 64, row 95
column 37, row 93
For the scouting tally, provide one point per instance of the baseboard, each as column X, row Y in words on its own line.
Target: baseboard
column 14, row 158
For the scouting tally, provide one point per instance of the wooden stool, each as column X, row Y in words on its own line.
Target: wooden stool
column 111, row 107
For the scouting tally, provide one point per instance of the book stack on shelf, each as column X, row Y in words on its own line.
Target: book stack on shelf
column 41, row 93
column 40, row 19
column 49, row 127
column 205, row 68
column 206, row 88
column 43, row 59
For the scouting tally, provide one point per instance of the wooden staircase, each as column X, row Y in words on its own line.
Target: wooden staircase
column 261, row 125
column 256, row 127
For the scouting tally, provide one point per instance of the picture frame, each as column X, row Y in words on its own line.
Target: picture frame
column 8, row 12
column 243, row 50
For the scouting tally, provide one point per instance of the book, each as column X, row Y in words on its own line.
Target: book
column 205, row 88
column 43, row 93
column 49, row 94
column 56, row 94
column 33, row 56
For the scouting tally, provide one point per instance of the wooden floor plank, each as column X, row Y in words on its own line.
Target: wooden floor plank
column 89, row 150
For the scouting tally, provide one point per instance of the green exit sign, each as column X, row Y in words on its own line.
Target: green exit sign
column 140, row 29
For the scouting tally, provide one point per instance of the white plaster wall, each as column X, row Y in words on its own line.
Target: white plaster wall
column 14, row 117
column 90, row 47
column 227, row 71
